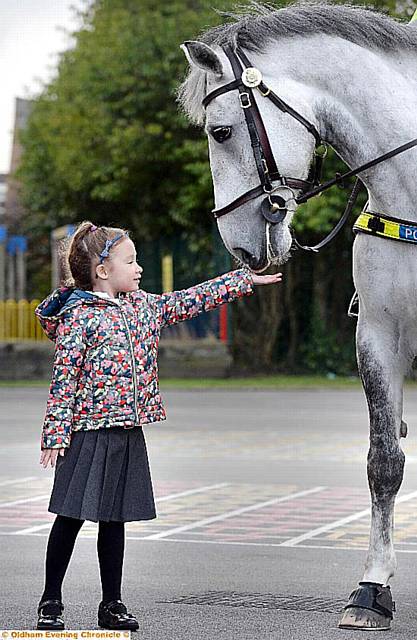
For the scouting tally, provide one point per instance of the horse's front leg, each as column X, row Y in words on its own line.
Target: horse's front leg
column 382, row 367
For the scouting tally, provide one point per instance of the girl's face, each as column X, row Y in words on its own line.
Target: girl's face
column 123, row 272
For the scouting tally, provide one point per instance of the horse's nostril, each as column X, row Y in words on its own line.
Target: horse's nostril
column 244, row 255
column 253, row 262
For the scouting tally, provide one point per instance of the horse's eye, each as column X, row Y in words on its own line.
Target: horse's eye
column 220, row 134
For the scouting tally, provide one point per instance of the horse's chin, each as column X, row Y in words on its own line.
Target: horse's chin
column 281, row 259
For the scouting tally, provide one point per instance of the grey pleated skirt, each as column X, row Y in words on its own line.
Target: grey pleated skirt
column 104, row 475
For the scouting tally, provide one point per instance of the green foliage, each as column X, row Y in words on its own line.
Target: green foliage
column 325, row 352
column 106, row 141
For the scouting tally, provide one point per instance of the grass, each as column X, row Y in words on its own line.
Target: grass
column 254, row 382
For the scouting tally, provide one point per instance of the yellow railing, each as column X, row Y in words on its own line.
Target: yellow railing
column 18, row 320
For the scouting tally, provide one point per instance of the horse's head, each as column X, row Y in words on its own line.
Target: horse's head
column 256, row 227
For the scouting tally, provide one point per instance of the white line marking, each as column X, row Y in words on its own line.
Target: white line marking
column 23, row 500
column 210, row 487
column 172, row 496
column 292, row 542
column 6, row 482
column 225, row 542
column 39, row 527
column 231, row 514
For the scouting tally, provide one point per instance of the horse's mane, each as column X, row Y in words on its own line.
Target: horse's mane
column 256, row 24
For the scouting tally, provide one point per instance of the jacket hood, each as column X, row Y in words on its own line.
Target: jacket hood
column 60, row 300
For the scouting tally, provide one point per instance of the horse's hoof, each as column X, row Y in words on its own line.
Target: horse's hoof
column 369, row 608
column 364, row 619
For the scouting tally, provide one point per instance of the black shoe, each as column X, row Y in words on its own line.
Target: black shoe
column 50, row 615
column 114, row 615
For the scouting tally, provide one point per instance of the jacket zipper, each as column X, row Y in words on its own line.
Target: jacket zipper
column 135, row 392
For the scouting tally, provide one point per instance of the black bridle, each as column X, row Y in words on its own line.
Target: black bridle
column 246, row 79
column 274, row 206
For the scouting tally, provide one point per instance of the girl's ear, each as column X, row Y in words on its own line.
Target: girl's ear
column 101, row 272
column 201, row 55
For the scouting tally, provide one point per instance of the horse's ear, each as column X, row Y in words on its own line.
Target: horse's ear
column 202, row 56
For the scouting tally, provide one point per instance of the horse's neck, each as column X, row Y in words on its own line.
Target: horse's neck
column 366, row 104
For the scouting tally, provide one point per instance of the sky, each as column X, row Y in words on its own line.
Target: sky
column 30, row 40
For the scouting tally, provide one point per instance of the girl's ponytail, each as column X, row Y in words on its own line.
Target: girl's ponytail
column 81, row 252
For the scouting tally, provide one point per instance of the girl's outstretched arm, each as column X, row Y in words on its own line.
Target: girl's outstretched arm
column 177, row 306
column 271, row 279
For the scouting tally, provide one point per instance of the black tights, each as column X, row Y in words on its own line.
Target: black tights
column 110, row 550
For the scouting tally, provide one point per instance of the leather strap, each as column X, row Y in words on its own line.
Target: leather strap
column 280, row 103
column 348, row 210
column 259, row 139
column 293, row 183
column 262, row 150
column 230, row 86
column 339, row 179
column 45, row 602
column 266, row 166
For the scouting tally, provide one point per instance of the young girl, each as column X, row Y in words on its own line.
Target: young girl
column 104, row 388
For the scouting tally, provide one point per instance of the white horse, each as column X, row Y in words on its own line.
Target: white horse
column 352, row 73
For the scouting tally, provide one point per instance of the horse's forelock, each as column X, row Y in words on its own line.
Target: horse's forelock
column 190, row 95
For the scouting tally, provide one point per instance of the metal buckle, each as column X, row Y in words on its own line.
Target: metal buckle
column 264, row 93
column 265, row 166
column 323, row 154
column 247, row 97
column 281, row 186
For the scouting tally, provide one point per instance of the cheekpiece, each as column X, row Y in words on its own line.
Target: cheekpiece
column 109, row 244
column 251, row 77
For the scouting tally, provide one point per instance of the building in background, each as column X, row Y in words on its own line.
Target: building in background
column 3, row 191
column 13, row 247
column 13, row 206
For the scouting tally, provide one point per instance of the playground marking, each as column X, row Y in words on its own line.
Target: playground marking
column 226, row 542
column 171, row 496
column 237, row 514
column 23, row 501
column 4, row 483
column 338, row 523
column 209, row 487
column 231, row 514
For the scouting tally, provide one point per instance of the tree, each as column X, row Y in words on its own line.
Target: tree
column 106, row 141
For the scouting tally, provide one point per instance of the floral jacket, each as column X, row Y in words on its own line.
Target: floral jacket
column 105, row 369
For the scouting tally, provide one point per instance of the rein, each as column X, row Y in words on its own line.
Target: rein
column 274, row 206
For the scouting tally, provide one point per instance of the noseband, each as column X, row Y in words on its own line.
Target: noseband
column 248, row 78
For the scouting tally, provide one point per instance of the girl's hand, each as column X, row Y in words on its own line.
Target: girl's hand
column 271, row 279
column 50, row 455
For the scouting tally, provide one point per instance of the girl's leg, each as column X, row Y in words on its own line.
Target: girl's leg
column 110, row 549
column 60, row 546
